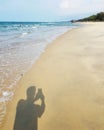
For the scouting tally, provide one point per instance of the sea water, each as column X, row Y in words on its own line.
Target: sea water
column 21, row 44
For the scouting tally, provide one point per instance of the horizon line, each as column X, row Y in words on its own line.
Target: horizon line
column 36, row 21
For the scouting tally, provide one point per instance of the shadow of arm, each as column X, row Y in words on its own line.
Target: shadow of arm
column 41, row 108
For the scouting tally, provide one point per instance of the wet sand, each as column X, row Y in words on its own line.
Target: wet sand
column 71, row 75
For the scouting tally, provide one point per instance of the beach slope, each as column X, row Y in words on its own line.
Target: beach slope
column 71, row 75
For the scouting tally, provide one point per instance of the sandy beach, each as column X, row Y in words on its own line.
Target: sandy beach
column 71, row 75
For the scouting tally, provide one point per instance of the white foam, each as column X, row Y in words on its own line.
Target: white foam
column 6, row 96
column 34, row 27
column 5, row 93
column 24, row 34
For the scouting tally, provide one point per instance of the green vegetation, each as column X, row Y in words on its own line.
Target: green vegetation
column 98, row 17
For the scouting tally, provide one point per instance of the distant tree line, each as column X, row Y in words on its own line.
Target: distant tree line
column 98, row 17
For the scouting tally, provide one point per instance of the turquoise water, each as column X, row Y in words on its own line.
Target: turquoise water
column 21, row 44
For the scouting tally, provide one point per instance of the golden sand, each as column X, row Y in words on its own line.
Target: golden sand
column 71, row 74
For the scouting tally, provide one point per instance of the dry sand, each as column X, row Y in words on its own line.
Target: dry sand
column 71, row 74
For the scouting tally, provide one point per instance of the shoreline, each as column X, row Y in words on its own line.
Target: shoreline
column 12, row 71
column 15, row 84
column 9, row 91
column 62, row 82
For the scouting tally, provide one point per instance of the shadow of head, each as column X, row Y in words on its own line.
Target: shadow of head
column 31, row 92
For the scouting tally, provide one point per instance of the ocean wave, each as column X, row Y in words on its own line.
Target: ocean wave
column 24, row 34
column 34, row 27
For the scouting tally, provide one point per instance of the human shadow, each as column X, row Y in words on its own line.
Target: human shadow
column 27, row 111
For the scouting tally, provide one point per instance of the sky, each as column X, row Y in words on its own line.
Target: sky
column 48, row 10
